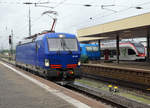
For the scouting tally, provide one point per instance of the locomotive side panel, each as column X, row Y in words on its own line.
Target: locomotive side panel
column 91, row 51
column 26, row 53
column 40, row 53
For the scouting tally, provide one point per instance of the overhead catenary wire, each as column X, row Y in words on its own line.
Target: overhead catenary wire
column 57, row 5
column 60, row 3
column 109, row 14
column 33, row 23
column 124, row 9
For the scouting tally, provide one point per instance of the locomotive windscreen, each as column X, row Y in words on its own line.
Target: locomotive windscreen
column 140, row 48
column 62, row 44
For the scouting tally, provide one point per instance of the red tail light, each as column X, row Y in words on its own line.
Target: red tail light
column 70, row 72
column 141, row 55
column 55, row 66
column 71, row 65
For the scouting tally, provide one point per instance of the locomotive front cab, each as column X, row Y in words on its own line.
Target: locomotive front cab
column 140, row 51
column 62, row 56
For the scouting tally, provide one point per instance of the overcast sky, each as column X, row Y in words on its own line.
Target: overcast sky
column 72, row 15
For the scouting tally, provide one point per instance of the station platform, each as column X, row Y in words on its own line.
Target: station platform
column 17, row 91
column 129, row 73
column 143, row 65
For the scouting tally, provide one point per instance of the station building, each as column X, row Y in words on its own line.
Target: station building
column 132, row 27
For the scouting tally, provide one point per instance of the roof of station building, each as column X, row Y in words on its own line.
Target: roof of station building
column 135, row 26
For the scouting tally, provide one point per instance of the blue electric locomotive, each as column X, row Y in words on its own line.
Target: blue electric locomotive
column 90, row 51
column 54, row 55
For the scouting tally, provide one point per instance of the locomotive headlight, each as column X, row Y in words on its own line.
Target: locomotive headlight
column 61, row 35
column 79, row 63
column 46, row 62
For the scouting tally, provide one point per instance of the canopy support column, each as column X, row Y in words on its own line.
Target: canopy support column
column 148, row 45
column 99, row 46
column 117, row 47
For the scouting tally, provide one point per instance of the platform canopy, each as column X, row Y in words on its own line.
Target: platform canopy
column 85, row 39
column 136, row 26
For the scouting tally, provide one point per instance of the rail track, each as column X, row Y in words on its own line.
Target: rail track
column 94, row 94
column 104, row 96
column 130, row 77
column 107, row 97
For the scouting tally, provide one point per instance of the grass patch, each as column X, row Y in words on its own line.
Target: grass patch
column 104, row 87
column 130, row 96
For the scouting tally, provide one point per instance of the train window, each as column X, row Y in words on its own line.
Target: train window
column 138, row 45
column 70, row 44
column 110, row 53
column 140, row 48
column 88, row 48
column 131, row 52
column 95, row 48
column 113, row 52
column 55, row 44
column 65, row 44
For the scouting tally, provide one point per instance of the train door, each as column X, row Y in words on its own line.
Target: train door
column 131, row 54
column 112, row 54
column 106, row 54
column 124, row 54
